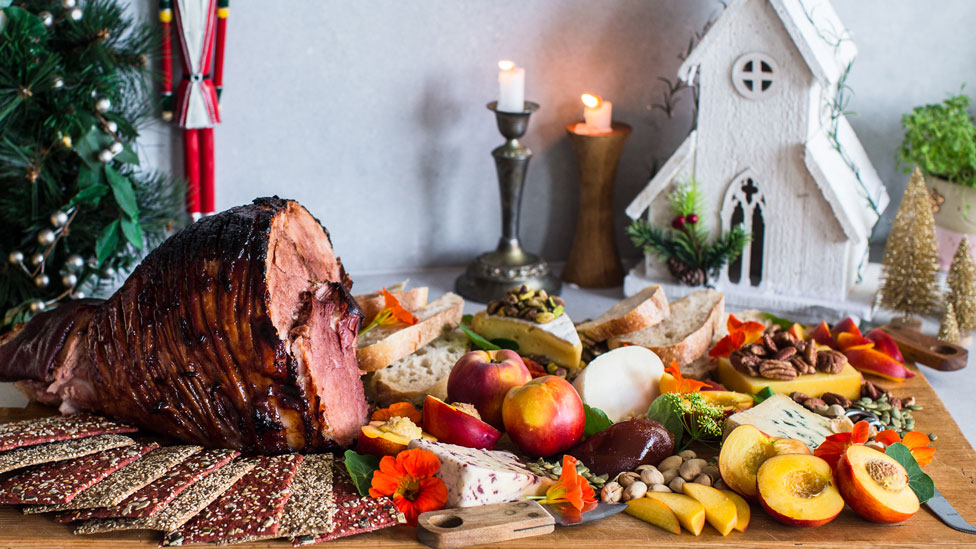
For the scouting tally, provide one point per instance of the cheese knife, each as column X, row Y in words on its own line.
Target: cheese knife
column 941, row 507
column 499, row 522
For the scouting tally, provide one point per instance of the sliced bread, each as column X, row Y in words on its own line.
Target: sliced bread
column 383, row 345
column 422, row 373
column 371, row 304
column 686, row 334
column 641, row 310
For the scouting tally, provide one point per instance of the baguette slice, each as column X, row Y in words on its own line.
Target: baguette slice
column 686, row 334
column 383, row 345
column 371, row 304
column 422, row 373
column 641, row 310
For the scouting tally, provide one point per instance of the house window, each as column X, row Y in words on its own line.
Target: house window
column 745, row 205
column 754, row 75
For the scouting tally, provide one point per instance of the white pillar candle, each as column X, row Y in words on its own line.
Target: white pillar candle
column 511, row 87
column 597, row 113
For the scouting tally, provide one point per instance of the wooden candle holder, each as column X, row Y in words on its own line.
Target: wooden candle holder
column 594, row 261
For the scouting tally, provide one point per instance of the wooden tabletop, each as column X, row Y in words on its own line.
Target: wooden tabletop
column 954, row 472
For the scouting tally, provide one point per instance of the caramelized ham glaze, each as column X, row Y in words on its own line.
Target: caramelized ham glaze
column 239, row 331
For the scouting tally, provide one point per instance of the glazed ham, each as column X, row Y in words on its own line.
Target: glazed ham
column 239, row 331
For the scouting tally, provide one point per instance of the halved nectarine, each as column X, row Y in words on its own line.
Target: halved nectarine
column 875, row 485
column 455, row 426
column 654, row 512
column 745, row 450
column 690, row 511
column 720, row 511
column 799, row 490
column 388, row 438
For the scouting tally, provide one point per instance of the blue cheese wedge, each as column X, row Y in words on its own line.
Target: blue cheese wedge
column 556, row 340
column 482, row 477
column 779, row 416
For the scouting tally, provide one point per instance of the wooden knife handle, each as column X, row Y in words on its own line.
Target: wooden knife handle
column 483, row 524
column 928, row 350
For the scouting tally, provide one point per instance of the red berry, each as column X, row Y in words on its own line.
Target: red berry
column 692, row 218
column 678, row 222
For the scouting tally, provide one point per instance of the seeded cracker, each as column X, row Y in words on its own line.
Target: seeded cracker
column 56, row 483
column 122, row 483
column 153, row 497
column 354, row 514
column 310, row 507
column 59, row 451
column 56, row 428
column 180, row 510
column 250, row 509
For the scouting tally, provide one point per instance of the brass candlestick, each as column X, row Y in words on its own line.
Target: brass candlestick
column 594, row 261
column 493, row 273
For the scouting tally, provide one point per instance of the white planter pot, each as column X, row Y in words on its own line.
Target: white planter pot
column 955, row 216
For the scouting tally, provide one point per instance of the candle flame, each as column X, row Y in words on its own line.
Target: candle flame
column 591, row 101
column 506, row 65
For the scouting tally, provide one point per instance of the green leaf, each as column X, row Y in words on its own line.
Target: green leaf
column 127, row 156
column 478, row 341
column 596, row 421
column 361, row 469
column 467, row 319
column 90, row 144
column 89, row 195
column 125, row 197
column 88, row 177
column 132, row 231
column 107, row 242
column 509, row 344
column 662, row 410
column 763, row 394
column 919, row 482
column 778, row 320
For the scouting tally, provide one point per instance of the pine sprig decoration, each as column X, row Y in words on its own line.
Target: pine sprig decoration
column 910, row 262
column 690, row 256
column 962, row 287
column 949, row 328
column 74, row 88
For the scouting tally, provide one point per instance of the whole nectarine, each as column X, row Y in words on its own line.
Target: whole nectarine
column 545, row 416
column 483, row 378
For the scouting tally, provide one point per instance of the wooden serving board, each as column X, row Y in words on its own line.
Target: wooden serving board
column 954, row 472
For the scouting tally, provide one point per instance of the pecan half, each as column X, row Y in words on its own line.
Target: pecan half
column 777, row 369
column 813, row 403
column 755, row 349
column 810, row 353
column 769, row 343
column 784, row 339
column 831, row 361
column 784, row 353
column 834, row 398
column 803, row 367
column 799, row 397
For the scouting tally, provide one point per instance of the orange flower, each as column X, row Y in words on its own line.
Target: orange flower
column 834, row 447
column 740, row 333
column 571, row 488
column 684, row 385
column 917, row 442
column 409, row 480
column 392, row 313
column 400, row 409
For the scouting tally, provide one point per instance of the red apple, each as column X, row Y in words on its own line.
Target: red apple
column 545, row 416
column 454, row 426
column 483, row 378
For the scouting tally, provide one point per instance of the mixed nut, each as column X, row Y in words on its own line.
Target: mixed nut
column 781, row 355
column 544, row 468
column 893, row 412
column 528, row 304
column 670, row 475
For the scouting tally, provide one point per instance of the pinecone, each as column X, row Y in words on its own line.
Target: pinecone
column 688, row 275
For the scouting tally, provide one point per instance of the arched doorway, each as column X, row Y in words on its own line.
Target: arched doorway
column 745, row 205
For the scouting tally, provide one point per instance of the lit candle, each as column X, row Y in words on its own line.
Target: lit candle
column 511, row 87
column 597, row 113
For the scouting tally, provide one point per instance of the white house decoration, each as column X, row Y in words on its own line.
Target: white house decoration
column 772, row 151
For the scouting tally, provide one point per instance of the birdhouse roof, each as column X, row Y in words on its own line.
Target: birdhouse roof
column 813, row 25
column 664, row 176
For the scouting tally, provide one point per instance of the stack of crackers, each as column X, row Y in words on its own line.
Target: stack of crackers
column 86, row 470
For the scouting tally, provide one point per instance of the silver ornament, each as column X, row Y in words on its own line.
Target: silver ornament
column 105, row 156
column 108, row 272
column 58, row 82
column 42, row 280
column 92, row 262
column 37, row 259
column 74, row 262
column 115, row 147
column 68, row 4
column 37, row 306
column 103, row 104
column 59, row 218
column 94, row 94
column 46, row 18
column 111, row 126
column 69, row 280
column 75, row 14
column 16, row 257
column 77, row 294
column 46, row 237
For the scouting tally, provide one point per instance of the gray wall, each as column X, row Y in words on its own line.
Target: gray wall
column 372, row 113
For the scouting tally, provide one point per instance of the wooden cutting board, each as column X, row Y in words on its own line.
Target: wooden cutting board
column 954, row 472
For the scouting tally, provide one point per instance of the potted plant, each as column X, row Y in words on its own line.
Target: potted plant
column 941, row 140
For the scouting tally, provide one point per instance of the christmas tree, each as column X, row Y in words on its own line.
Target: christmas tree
column 910, row 265
column 962, row 287
column 949, row 329
column 75, row 208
